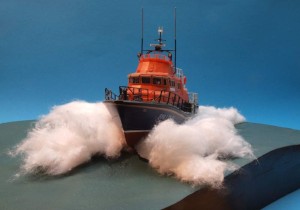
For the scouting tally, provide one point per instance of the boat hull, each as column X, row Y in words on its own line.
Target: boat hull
column 139, row 118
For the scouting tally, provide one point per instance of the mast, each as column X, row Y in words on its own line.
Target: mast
column 142, row 40
column 175, row 37
column 160, row 45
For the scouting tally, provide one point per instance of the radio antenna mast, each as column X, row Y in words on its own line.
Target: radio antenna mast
column 175, row 37
column 142, row 41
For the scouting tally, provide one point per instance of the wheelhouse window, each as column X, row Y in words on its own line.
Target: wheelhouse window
column 164, row 81
column 134, row 80
column 172, row 83
column 157, row 81
column 146, row 80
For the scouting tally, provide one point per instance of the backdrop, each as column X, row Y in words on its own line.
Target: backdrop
column 235, row 53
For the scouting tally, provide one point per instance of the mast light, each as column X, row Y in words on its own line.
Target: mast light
column 160, row 29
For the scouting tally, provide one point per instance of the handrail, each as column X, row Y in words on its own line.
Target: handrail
column 155, row 56
column 109, row 95
column 143, row 94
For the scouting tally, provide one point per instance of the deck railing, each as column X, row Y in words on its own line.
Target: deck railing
column 145, row 95
column 155, row 56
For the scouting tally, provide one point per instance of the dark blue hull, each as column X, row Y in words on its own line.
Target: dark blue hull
column 139, row 118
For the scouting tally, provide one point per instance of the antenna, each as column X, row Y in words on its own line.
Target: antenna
column 160, row 45
column 175, row 37
column 142, row 41
column 160, row 31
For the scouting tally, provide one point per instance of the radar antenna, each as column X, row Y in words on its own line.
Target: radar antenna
column 160, row 45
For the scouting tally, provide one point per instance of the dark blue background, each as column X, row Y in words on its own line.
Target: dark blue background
column 235, row 53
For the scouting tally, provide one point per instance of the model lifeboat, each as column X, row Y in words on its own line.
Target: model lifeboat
column 156, row 91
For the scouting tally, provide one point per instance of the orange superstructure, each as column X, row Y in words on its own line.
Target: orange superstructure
column 156, row 77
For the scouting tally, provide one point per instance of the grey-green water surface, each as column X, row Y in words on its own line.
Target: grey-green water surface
column 125, row 183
